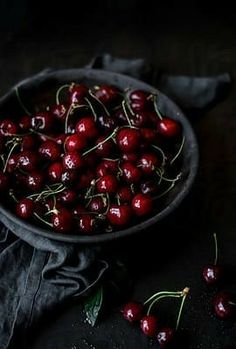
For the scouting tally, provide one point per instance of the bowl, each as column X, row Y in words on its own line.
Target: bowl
column 41, row 87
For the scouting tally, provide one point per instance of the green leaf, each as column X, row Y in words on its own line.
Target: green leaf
column 93, row 306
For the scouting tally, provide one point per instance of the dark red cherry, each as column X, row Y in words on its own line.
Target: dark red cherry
column 55, row 171
column 168, row 127
column 223, row 305
column 42, row 121
column 128, row 139
column 130, row 157
column 139, row 95
column 212, row 274
column 74, row 143
column 27, row 160
column 140, row 119
column 165, row 336
column 119, row 117
column 59, row 111
column 107, row 94
column 25, row 123
column 111, row 165
column 130, row 172
column 124, row 194
column 8, row 128
column 149, row 187
column 85, row 179
column 3, row 181
column 148, row 163
column 119, row 215
column 77, row 93
column 50, row 150
column 79, row 210
column 60, row 139
column 12, row 163
column 97, row 204
column 105, row 148
column 149, row 325
column 107, row 123
column 34, row 181
column 86, row 223
column 69, row 177
column 67, row 196
column 101, row 170
column 148, row 134
column 133, row 311
column 141, row 204
column 86, row 127
column 25, row 208
column 62, row 220
column 28, row 142
column 72, row 161
column 107, row 184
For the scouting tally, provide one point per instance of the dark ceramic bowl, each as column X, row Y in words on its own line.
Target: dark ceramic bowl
column 41, row 88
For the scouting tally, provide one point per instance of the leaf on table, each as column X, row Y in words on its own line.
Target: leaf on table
column 93, row 306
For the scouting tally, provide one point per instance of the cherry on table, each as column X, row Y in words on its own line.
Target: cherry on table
column 50, row 150
column 223, row 305
column 119, row 215
column 133, row 311
column 149, row 325
column 128, row 139
column 62, row 220
column 25, row 208
column 212, row 273
column 107, row 184
column 165, row 336
column 168, row 127
column 141, row 204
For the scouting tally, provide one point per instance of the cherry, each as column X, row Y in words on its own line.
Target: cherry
column 140, row 119
column 34, row 181
column 168, row 127
column 148, row 134
column 130, row 172
column 86, row 223
column 148, row 163
column 77, row 93
column 85, row 179
column 50, row 150
column 107, row 184
column 72, row 161
column 124, row 194
column 223, row 305
column 119, row 215
column 107, row 166
column 74, row 143
column 97, row 204
column 149, row 325
column 12, row 163
column 106, row 122
column 27, row 160
column 165, row 336
column 25, row 208
column 68, row 177
column 212, row 274
column 119, row 117
column 78, row 210
column 101, row 170
column 86, row 127
column 55, row 171
column 149, row 187
column 130, row 157
column 107, row 93
column 141, row 204
column 138, row 95
column 91, row 160
column 133, row 311
column 62, row 220
column 67, row 196
column 25, row 122
column 42, row 121
column 59, row 111
column 60, row 139
column 104, row 149
column 8, row 128
column 28, row 142
column 4, row 181
column 128, row 139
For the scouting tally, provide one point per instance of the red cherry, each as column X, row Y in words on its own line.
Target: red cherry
column 128, row 139
column 27, row 160
column 86, row 223
column 130, row 172
column 72, row 161
column 149, row 325
column 75, row 143
column 28, row 142
column 85, row 179
column 141, row 204
column 62, row 220
column 148, row 163
column 67, row 196
column 119, row 117
column 139, row 95
column 60, row 140
column 77, row 93
column 104, row 149
column 212, row 274
column 86, row 127
column 165, row 336
column 59, row 111
column 55, row 171
column 107, row 184
column 107, row 123
column 69, row 177
column 8, row 128
column 148, row 134
column 223, row 305
column 34, row 181
column 124, row 194
column 25, row 208
column 97, row 204
column 91, row 160
column 101, row 170
column 130, row 157
column 3, row 181
column 107, row 94
column 12, row 163
column 42, row 121
column 119, row 215
column 133, row 311
column 50, row 150
column 78, row 210
column 168, row 127
column 140, row 119
column 25, row 123
column 149, row 187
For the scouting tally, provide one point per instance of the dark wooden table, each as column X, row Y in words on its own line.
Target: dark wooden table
column 171, row 255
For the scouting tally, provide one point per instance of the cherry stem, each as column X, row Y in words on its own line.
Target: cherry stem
column 126, row 114
column 179, row 151
column 104, row 141
column 162, row 153
column 67, row 117
column 9, row 155
column 166, row 293
column 161, row 297
column 21, row 103
column 185, row 293
column 154, row 98
column 42, row 134
column 173, row 180
column 92, row 108
column 165, row 192
column 98, row 100
column 59, row 91
column 42, row 220
column 216, row 248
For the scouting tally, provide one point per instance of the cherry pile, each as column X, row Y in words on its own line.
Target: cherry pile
column 150, row 324
column 93, row 160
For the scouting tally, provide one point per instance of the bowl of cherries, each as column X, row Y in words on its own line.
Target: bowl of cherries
column 90, row 156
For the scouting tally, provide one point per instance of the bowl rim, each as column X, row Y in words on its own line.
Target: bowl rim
column 6, row 214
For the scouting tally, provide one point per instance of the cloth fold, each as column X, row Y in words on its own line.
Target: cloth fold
column 37, row 274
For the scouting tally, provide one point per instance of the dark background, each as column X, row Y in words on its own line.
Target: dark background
column 179, row 37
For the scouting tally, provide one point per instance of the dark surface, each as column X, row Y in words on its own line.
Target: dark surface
column 191, row 39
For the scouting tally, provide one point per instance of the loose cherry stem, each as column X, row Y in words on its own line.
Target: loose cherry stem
column 154, row 98
column 161, row 297
column 59, row 91
column 216, row 248
column 165, row 192
column 98, row 100
column 179, row 151
column 21, row 103
column 161, row 293
column 126, row 114
column 185, row 293
column 104, row 141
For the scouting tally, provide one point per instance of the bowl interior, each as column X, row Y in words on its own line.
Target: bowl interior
column 40, row 90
